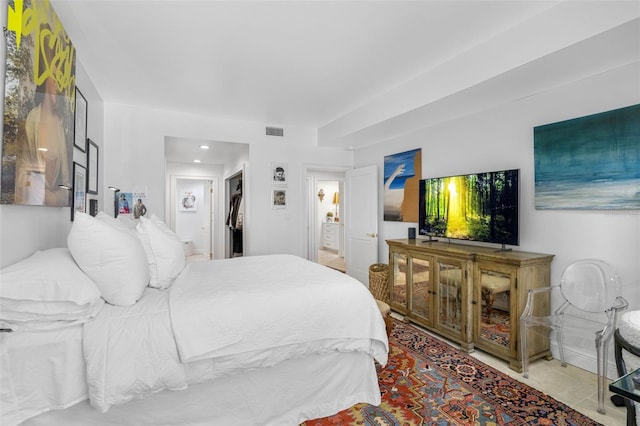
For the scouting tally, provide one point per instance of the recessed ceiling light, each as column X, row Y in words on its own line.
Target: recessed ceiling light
column 196, row 161
column 204, row 146
column 43, row 149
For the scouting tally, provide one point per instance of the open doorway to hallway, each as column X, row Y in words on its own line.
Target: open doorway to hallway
column 326, row 227
column 331, row 239
column 192, row 214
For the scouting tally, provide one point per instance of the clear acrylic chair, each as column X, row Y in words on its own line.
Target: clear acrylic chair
column 590, row 291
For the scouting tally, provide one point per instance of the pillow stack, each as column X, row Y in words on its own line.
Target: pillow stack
column 164, row 250
column 47, row 291
column 111, row 255
column 124, row 256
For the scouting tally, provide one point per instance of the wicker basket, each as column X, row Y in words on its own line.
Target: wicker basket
column 379, row 281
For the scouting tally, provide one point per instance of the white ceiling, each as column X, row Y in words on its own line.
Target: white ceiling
column 314, row 63
column 180, row 150
column 278, row 62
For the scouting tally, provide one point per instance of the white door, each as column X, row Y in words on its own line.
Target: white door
column 193, row 225
column 207, row 220
column 361, row 224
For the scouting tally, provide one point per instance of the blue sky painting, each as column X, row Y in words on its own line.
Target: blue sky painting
column 401, row 180
column 589, row 163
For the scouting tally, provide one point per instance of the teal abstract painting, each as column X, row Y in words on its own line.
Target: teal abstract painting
column 589, row 163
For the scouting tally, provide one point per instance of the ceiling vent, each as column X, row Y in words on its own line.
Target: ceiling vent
column 275, row 131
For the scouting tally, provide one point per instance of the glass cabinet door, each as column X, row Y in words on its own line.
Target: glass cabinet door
column 495, row 320
column 399, row 281
column 421, row 293
column 449, row 293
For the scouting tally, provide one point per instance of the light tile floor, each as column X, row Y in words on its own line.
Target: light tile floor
column 331, row 259
column 570, row 385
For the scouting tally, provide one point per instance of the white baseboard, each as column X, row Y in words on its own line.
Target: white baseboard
column 586, row 360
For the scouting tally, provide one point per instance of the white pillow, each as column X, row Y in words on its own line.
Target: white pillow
column 164, row 250
column 111, row 256
column 112, row 221
column 47, row 290
column 128, row 222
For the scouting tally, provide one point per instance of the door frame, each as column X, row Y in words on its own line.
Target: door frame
column 213, row 201
column 239, row 174
column 310, row 173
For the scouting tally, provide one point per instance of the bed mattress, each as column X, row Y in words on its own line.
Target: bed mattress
column 283, row 395
column 40, row 371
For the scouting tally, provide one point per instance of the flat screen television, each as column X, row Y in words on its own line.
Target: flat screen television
column 476, row 207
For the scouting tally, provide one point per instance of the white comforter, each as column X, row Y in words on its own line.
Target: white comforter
column 227, row 316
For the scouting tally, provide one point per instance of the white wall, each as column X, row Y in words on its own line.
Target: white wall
column 136, row 135
column 25, row 229
column 502, row 138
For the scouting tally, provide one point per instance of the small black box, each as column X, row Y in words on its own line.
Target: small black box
column 412, row 233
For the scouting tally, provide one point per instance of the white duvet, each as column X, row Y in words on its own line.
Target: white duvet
column 225, row 316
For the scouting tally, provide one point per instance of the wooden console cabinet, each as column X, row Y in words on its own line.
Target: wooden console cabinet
column 470, row 294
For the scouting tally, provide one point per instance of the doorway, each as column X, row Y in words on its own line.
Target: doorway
column 326, row 244
column 331, row 238
column 192, row 214
column 235, row 215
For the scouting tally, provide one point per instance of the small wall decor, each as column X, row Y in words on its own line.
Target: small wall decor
column 402, row 174
column 589, row 163
column 279, row 173
column 125, row 201
column 78, row 202
column 92, row 167
column 188, row 202
column 80, row 122
column 139, row 197
column 278, row 198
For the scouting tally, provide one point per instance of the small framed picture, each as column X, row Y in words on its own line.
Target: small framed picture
column 92, row 167
column 278, row 198
column 188, row 202
column 279, row 173
column 78, row 201
column 80, row 123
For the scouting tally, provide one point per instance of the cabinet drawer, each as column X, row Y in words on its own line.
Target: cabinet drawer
column 330, row 236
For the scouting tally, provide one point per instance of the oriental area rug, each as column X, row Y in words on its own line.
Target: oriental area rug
column 428, row 382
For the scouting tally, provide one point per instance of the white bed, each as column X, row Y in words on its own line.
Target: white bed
column 263, row 340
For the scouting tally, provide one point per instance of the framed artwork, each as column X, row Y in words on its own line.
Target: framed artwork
column 278, row 198
column 78, row 200
column 125, row 203
column 92, row 167
column 402, row 174
column 279, row 173
column 40, row 67
column 80, row 123
column 589, row 163
column 139, row 199
column 188, row 202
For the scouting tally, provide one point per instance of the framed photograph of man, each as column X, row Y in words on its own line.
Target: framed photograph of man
column 278, row 198
column 279, row 173
column 80, row 123
column 78, row 201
